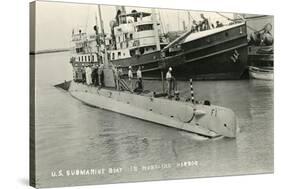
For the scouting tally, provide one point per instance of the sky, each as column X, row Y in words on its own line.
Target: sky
column 55, row 20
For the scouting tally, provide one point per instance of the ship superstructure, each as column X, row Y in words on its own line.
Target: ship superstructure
column 135, row 39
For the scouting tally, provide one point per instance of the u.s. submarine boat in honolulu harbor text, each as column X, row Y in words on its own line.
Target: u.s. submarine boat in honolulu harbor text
column 200, row 118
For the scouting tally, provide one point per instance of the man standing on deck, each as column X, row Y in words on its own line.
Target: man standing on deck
column 169, row 79
column 116, row 77
column 83, row 75
column 100, row 73
column 88, row 75
column 139, row 76
column 195, row 26
column 95, row 75
column 205, row 23
column 120, row 72
column 130, row 77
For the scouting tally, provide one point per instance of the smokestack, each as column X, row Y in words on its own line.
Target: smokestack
column 121, row 8
column 155, row 27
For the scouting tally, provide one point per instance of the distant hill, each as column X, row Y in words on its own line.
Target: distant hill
column 49, row 51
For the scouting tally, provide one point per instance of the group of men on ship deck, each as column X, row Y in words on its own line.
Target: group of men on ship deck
column 204, row 24
column 94, row 75
column 91, row 75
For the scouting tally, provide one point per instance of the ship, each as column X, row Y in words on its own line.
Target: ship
column 265, row 73
column 214, row 54
column 136, row 40
column 194, row 116
column 261, row 48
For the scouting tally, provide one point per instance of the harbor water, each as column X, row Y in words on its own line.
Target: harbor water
column 73, row 136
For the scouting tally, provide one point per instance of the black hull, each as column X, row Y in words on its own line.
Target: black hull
column 261, row 56
column 218, row 56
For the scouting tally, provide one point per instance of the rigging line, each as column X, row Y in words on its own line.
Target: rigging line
column 242, row 19
column 260, row 29
column 87, row 20
column 167, row 19
column 164, row 23
column 251, row 28
column 192, row 18
column 188, row 19
column 161, row 23
column 225, row 16
column 178, row 21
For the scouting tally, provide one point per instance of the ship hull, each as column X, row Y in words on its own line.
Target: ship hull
column 210, row 121
column 218, row 56
column 261, row 62
column 261, row 56
column 261, row 73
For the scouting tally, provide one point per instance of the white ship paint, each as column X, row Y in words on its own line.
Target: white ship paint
column 211, row 121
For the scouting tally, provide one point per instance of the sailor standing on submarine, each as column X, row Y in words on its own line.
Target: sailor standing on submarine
column 139, row 76
column 130, row 76
column 100, row 73
column 116, row 77
column 88, row 71
column 169, row 79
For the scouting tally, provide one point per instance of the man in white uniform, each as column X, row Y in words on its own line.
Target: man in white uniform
column 130, row 76
column 169, row 79
column 88, row 75
column 100, row 73
column 139, row 76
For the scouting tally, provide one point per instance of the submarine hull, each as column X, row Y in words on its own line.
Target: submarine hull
column 210, row 121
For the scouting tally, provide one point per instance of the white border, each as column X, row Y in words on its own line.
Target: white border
column 14, row 97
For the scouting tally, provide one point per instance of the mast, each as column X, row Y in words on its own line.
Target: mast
column 103, row 35
column 161, row 22
column 189, row 20
column 157, row 41
column 107, row 70
column 155, row 28
column 96, row 19
column 178, row 21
